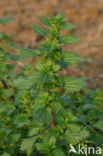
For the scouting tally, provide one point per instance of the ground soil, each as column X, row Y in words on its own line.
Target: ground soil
column 86, row 14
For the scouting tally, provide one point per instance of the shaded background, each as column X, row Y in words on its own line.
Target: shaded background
column 86, row 14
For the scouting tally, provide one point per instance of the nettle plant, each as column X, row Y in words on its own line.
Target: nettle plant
column 50, row 125
column 38, row 118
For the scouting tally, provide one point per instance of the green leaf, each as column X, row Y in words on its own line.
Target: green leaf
column 6, row 20
column 42, row 115
column 33, row 131
column 6, row 154
column 14, row 138
column 88, row 106
column 13, row 57
column 6, row 107
column 26, row 53
column 12, row 45
column 23, row 83
column 47, row 144
column 21, row 120
column 52, row 132
column 74, row 84
column 39, row 30
column 45, row 20
column 60, row 17
column 68, row 26
column 39, row 147
column 72, row 58
column 58, row 152
column 98, row 139
column 69, row 39
column 99, row 125
column 44, row 46
column 4, row 36
column 75, row 134
column 27, row 145
column 51, row 140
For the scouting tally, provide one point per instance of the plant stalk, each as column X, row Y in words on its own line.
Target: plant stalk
column 52, row 121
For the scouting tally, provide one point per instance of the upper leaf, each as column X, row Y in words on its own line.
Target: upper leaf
column 69, row 39
column 72, row 58
column 74, row 84
column 6, row 20
column 39, row 30
column 26, row 53
column 45, row 20
column 68, row 26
